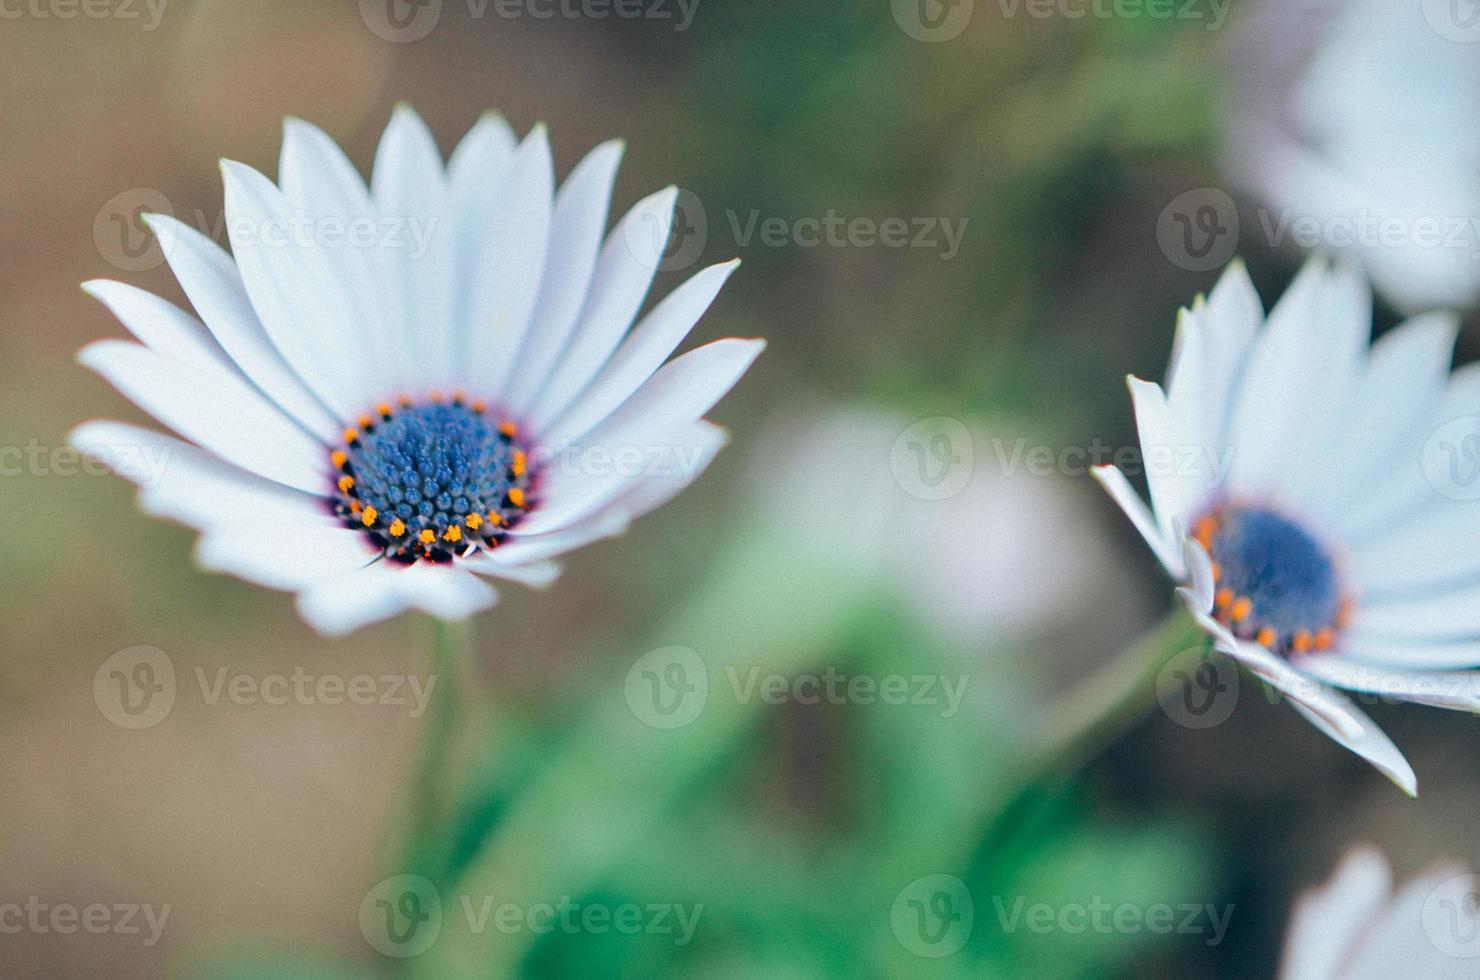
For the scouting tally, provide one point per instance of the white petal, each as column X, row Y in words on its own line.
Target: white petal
column 1436, row 547
column 212, row 281
column 1233, row 312
column 284, row 556
column 1277, row 408
column 1316, row 435
column 342, row 604
column 536, row 575
column 1200, row 569
column 1388, row 421
column 406, row 161
column 648, row 495
column 1370, row 743
column 410, row 187
column 1459, row 689
column 523, row 550
column 1121, row 491
column 214, row 409
column 347, row 243
column 445, row 592
column 651, row 436
column 1175, row 491
column 1299, row 687
column 315, row 175
column 482, row 158
column 303, row 301
column 504, row 234
column 187, row 484
column 624, row 272
column 576, row 227
column 1332, row 921
column 644, row 351
column 1452, row 615
column 1408, row 654
column 159, row 324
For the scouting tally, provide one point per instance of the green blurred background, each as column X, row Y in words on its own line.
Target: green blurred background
column 795, row 832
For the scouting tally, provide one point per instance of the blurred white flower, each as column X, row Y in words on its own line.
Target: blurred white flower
column 1302, row 496
column 985, row 548
column 1356, row 927
column 398, row 391
column 1355, row 124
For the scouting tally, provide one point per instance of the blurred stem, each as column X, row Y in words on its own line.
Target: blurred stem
column 450, row 658
column 1111, row 701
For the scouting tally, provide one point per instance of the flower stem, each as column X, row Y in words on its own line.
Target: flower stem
column 1108, row 703
column 450, row 657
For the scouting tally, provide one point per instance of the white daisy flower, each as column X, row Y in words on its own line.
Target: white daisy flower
column 1355, row 120
column 1289, row 497
column 1357, row 927
column 395, row 392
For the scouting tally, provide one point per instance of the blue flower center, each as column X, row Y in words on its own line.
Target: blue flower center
column 431, row 481
column 1275, row 583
